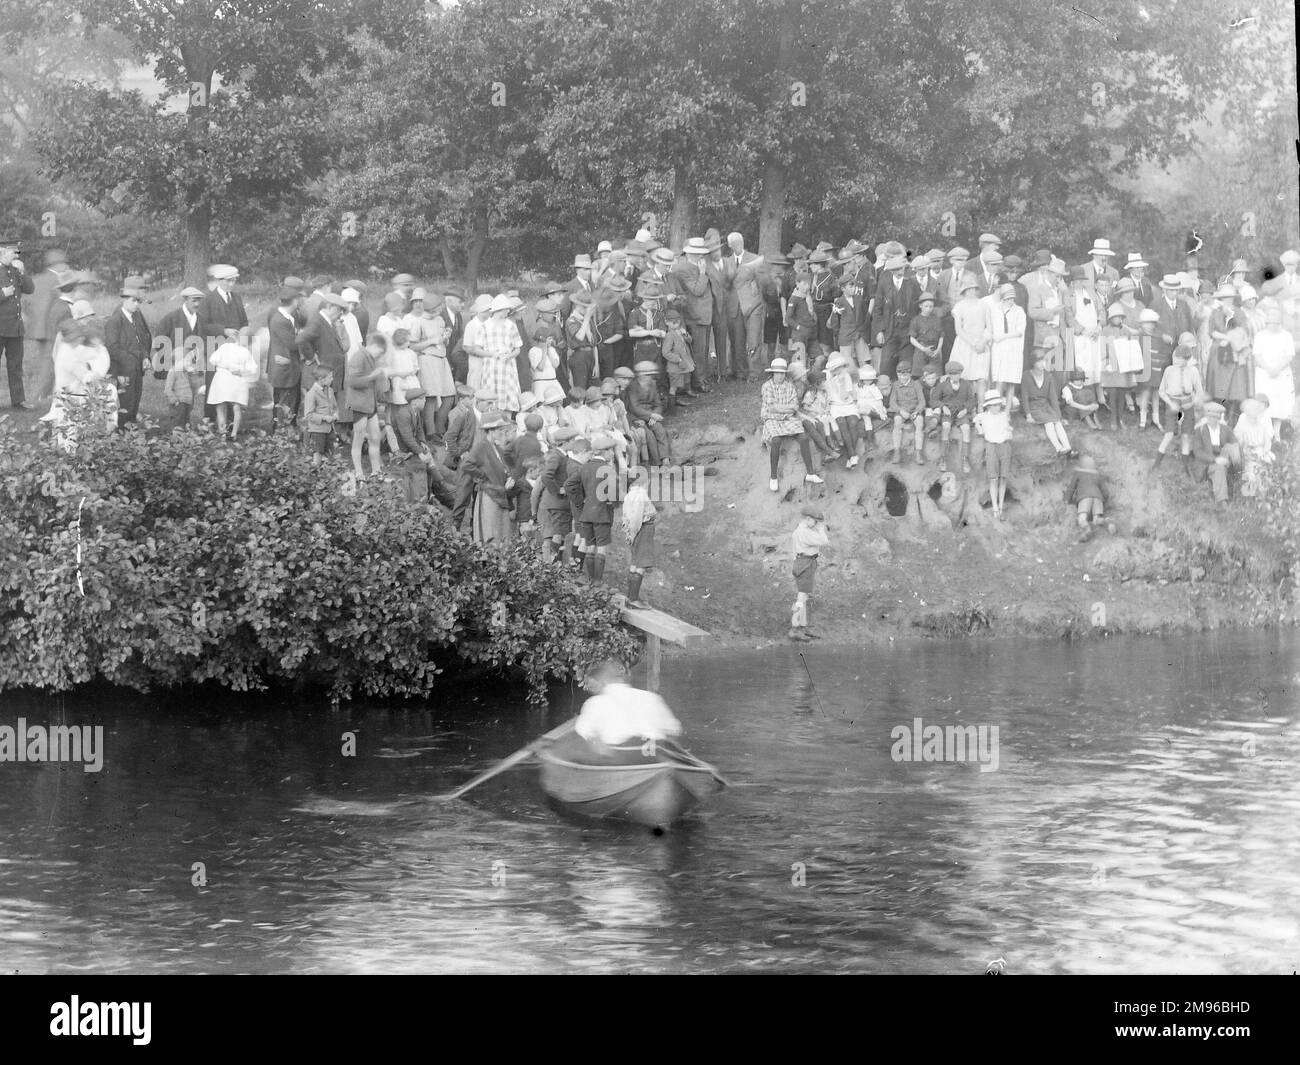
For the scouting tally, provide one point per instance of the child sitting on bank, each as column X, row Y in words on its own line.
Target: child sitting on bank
column 929, row 383
column 1087, row 490
column 1081, row 399
column 954, row 398
column 639, row 527
column 1181, row 388
column 871, row 407
column 320, row 411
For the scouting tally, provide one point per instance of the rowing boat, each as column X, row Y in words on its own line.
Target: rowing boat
column 652, row 787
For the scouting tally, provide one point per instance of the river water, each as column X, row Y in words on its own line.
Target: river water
column 1142, row 817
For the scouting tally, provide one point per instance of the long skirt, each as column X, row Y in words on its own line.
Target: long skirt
column 491, row 521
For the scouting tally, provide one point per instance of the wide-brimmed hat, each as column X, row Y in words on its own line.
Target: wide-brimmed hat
column 819, row 256
column 547, row 305
column 663, row 256
column 778, row 366
column 501, row 302
column 1135, row 261
column 798, row 251
column 482, row 302
column 528, row 401
column 1058, row 267
column 1101, row 246
column 580, row 261
column 618, row 283
column 695, row 246
column 645, row 366
column 581, row 298
column 852, row 248
column 992, row 396
column 713, row 240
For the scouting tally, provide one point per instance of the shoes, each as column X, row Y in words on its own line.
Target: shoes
column 812, row 478
column 853, row 461
column 774, row 484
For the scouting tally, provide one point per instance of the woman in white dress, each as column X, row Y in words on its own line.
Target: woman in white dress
column 1254, row 433
column 1086, row 323
column 1274, row 377
column 236, row 372
column 971, row 346
column 1007, row 328
column 81, row 366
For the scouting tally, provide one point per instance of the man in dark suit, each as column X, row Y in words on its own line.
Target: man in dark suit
column 15, row 283
column 1136, row 267
column 129, row 341
column 745, row 309
column 182, row 328
column 283, row 359
column 581, row 282
column 691, row 282
column 857, row 289
column 891, row 319
column 1215, row 452
column 718, row 294
column 1176, row 314
column 453, row 318
column 318, row 341
column 224, row 318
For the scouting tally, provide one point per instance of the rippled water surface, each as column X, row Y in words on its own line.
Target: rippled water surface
column 1142, row 818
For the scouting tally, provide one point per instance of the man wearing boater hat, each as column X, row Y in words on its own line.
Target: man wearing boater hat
column 1100, row 275
column 15, row 283
column 691, row 278
column 745, row 307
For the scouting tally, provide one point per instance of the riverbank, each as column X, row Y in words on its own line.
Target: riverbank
column 915, row 553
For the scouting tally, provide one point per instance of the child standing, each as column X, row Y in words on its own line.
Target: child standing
column 320, row 410
column 1087, row 489
column 236, row 372
column 639, row 528
column 807, row 541
column 677, row 354
column 184, row 383
column 362, row 379
column 994, row 424
column 801, row 320
column 926, row 330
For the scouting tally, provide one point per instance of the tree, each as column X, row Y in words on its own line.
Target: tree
column 244, row 70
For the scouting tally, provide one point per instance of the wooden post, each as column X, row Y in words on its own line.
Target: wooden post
column 653, row 649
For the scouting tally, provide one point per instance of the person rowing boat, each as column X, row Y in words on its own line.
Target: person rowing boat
column 619, row 717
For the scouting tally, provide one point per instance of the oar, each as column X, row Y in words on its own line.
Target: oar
column 520, row 755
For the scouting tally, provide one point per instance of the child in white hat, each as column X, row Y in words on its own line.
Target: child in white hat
column 994, row 424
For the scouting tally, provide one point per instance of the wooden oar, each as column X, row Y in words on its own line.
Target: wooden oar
column 523, row 754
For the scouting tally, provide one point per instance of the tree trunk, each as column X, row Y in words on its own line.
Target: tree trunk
column 448, row 258
column 474, row 251
column 771, row 208
column 771, row 211
column 686, row 206
column 198, row 244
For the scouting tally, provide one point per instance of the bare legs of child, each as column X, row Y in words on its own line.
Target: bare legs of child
column 365, row 432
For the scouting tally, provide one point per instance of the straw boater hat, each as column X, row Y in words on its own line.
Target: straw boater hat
column 1170, row 281
column 778, row 366
column 582, row 262
column 991, row 397
column 1135, row 261
column 662, row 256
column 1101, row 246
column 695, row 246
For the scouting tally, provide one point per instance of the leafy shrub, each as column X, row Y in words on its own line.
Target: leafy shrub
column 246, row 566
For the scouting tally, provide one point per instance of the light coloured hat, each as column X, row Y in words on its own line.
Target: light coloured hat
column 601, row 442
column 645, row 367
column 934, row 257
column 1170, row 281
column 958, row 253
column 662, row 256
column 1240, row 267
column 1273, row 316
column 1115, row 310
column 898, row 262
column 993, row 258
column 867, row 373
column 528, row 401
column 481, row 303
column 515, row 301
column 1007, row 291
column 494, row 419
column 189, row 292
column 1290, row 257
column 1215, row 407
column 419, row 295
column 486, row 393
column 1225, row 292
column 551, row 393
column 1058, row 267
column 1148, row 315
column 989, row 238
column 1125, row 284
column 333, row 299
column 604, row 245
column 82, row 309
column 402, row 279
column 778, row 366
column 394, row 301
column 696, row 246
column 501, row 303
column 1247, row 292
column 992, row 396
column 1135, row 261
column 1101, row 246
column 350, row 295
column 581, row 261
column 223, row 272
column 837, row 362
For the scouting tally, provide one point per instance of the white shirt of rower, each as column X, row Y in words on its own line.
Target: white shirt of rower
column 621, row 713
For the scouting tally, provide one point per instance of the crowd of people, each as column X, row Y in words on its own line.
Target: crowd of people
column 520, row 414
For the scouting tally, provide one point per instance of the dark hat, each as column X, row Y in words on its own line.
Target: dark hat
column 672, row 316
column 459, row 293
column 926, row 297
column 618, row 284
column 581, row 298
column 289, row 292
column 74, row 278
column 953, row 367
column 821, row 255
column 799, row 251
column 1042, row 257
column 1013, row 261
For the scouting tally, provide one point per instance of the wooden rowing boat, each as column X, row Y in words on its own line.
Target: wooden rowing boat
column 647, row 789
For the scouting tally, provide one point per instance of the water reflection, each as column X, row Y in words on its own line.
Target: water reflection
column 1141, row 819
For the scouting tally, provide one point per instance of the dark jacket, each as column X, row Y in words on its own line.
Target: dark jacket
column 696, row 302
column 1203, row 451
column 11, row 307
column 462, row 431
column 555, row 471
column 642, row 400
column 487, row 466
column 283, row 344
column 894, row 309
column 318, row 342
column 218, row 314
column 128, row 343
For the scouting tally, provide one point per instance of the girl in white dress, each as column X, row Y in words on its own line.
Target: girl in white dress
column 236, row 372
column 974, row 338
column 1007, row 329
column 1254, row 433
column 1086, row 330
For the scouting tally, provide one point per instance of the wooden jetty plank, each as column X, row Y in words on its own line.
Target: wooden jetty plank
column 664, row 626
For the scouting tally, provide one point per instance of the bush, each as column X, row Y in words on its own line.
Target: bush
column 197, row 560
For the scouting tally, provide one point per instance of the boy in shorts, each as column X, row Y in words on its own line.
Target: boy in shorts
column 807, row 541
column 639, row 528
column 1087, row 489
column 994, row 424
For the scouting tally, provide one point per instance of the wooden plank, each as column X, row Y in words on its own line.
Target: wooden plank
column 654, row 653
column 664, row 626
